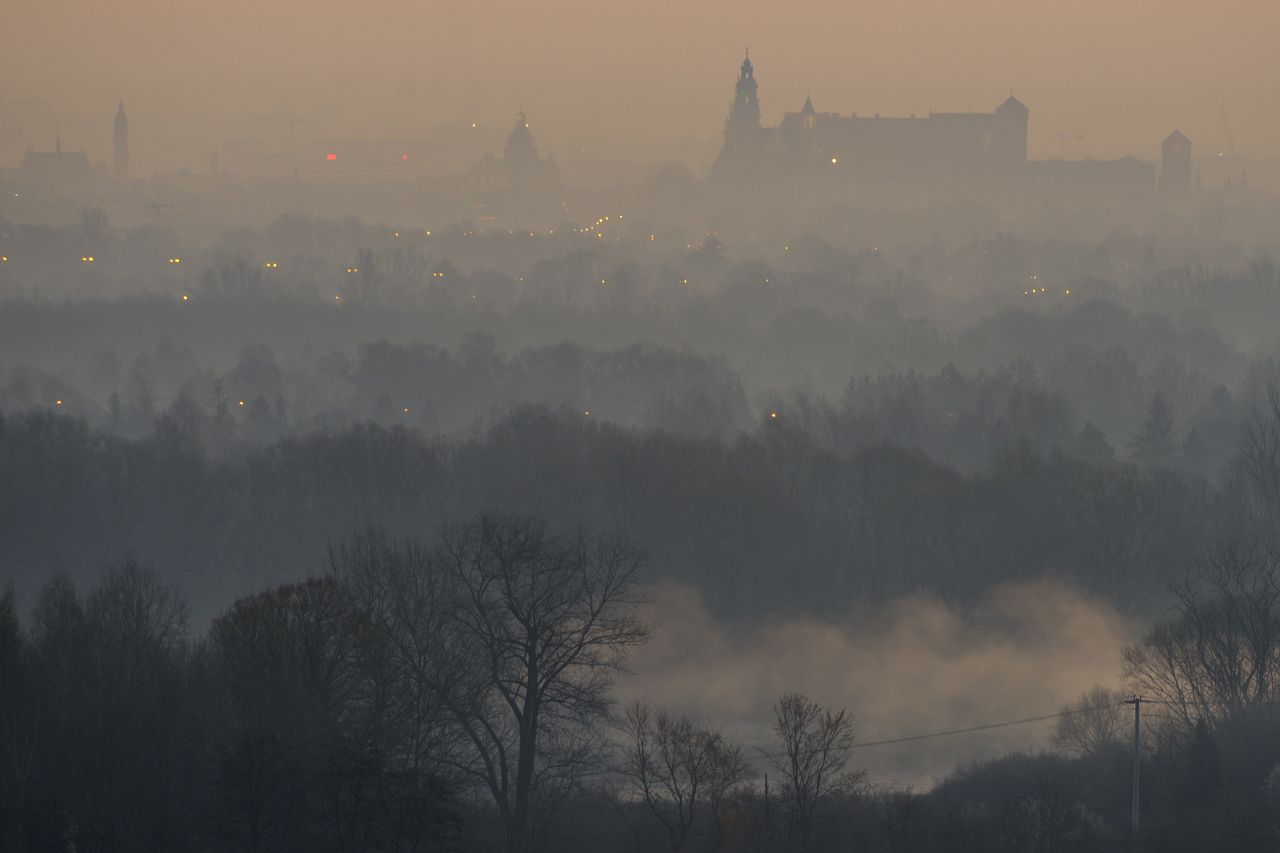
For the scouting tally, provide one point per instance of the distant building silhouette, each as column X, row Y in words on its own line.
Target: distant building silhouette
column 744, row 138
column 520, row 167
column 56, row 168
column 120, row 162
column 1175, row 163
column 1127, row 176
column 817, row 142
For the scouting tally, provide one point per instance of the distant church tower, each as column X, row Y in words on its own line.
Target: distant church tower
column 743, row 136
column 744, row 115
column 1175, row 163
column 120, row 165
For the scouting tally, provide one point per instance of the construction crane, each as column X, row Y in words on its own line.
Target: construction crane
column 1062, row 140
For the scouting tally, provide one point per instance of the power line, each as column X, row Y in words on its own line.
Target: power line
column 964, row 731
column 763, row 753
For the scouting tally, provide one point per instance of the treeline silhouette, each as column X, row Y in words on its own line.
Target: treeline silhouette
column 768, row 521
column 1091, row 401
column 453, row 693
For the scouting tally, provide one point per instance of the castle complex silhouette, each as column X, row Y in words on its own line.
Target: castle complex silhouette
column 962, row 151
column 812, row 141
column 977, row 149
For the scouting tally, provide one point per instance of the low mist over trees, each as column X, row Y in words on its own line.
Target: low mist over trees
column 879, row 522
column 453, row 693
column 728, row 524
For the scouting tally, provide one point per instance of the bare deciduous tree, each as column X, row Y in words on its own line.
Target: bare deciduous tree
column 678, row 768
column 548, row 620
column 1221, row 651
column 1253, row 476
column 815, row 748
column 1093, row 722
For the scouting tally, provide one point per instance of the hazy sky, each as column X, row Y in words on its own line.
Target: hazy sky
column 627, row 77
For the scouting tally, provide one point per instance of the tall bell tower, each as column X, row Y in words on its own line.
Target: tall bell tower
column 744, row 114
column 120, row 163
column 743, row 150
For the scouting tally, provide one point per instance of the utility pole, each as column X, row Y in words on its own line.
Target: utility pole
column 768, row 817
column 1136, row 702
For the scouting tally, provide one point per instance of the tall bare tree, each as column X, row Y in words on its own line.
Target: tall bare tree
column 815, row 748
column 547, row 620
column 1253, row 476
column 677, row 768
column 1221, row 651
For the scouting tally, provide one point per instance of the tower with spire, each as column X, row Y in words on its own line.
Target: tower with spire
column 120, row 162
column 744, row 114
column 743, row 135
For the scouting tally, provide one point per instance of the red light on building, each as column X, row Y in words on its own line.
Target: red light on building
column 331, row 157
column 404, row 156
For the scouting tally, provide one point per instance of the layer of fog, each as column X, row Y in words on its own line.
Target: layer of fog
column 913, row 667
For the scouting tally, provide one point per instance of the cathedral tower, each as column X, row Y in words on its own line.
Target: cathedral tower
column 120, row 164
column 744, row 115
column 743, row 135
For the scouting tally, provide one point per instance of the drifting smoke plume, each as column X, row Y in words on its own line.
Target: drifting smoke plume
column 912, row 667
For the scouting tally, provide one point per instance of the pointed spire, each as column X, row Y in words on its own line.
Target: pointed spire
column 808, row 109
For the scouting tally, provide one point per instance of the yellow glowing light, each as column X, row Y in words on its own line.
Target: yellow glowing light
column 57, row 402
column 337, row 298
column 242, row 402
column 587, row 412
column 834, row 160
column 1068, row 292
column 602, row 281
column 4, row 259
column 684, row 281
column 652, row 238
column 186, row 298
column 406, row 410
column 773, row 416
column 473, row 124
